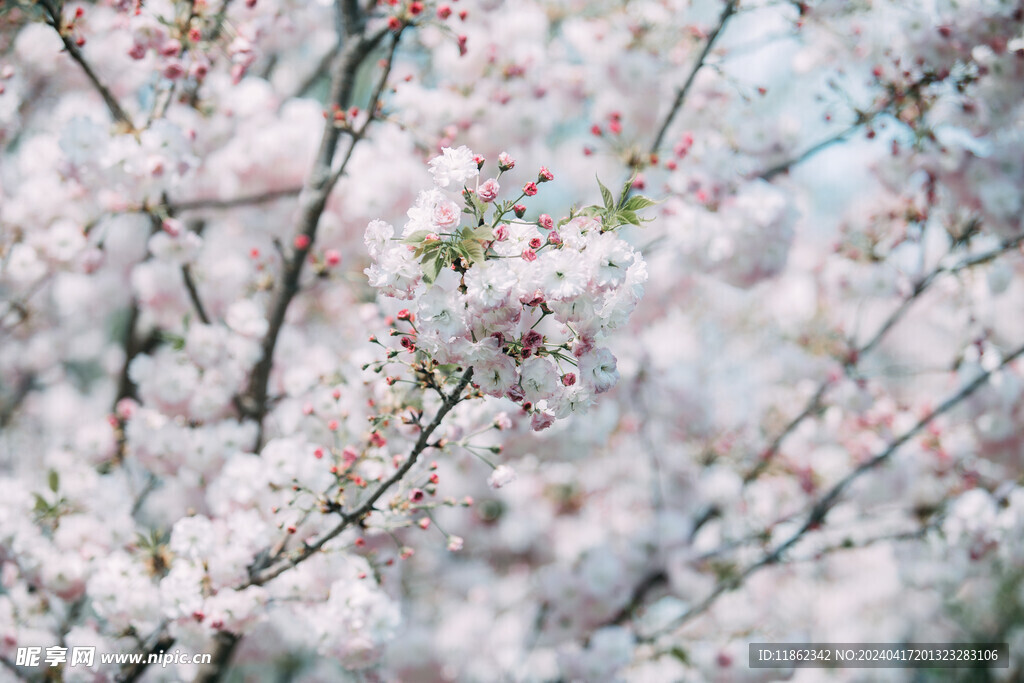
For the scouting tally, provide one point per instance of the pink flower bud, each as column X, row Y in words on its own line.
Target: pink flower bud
column 170, row 47
column 533, row 339
column 199, row 69
column 506, row 162
column 488, row 190
column 545, row 221
column 544, row 175
column 535, row 299
column 501, row 233
column 541, row 421
column 174, row 70
column 530, row 189
column 172, row 226
column 529, row 255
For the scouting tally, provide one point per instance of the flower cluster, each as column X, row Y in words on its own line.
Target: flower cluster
column 522, row 302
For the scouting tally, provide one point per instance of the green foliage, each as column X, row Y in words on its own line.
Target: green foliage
column 437, row 254
column 622, row 212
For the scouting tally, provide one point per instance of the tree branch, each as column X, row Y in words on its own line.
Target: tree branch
column 161, row 642
column 727, row 11
column 21, row 390
column 226, row 644
column 313, row 200
column 193, row 294
column 113, row 105
column 820, row 510
column 319, row 72
column 260, row 577
column 234, row 202
column 784, row 166
column 815, row 403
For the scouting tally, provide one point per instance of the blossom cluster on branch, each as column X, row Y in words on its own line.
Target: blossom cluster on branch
column 322, row 351
column 482, row 293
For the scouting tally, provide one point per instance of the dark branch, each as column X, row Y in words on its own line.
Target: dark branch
column 730, row 8
column 312, row 200
column 193, row 294
column 814, row 405
column 113, row 105
column 820, row 510
column 259, row 577
column 234, row 202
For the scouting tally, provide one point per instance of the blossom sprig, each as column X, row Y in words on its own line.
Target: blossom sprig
column 523, row 303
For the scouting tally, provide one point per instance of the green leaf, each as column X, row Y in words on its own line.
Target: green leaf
column 416, row 237
column 472, row 249
column 606, row 194
column 53, row 480
column 628, row 217
column 483, row 232
column 679, row 654
column 427, row 248
column 176, row 341
column 626, row 187
column 637, row 203
column 41, row 505
column 427, row 265
column 432, row 268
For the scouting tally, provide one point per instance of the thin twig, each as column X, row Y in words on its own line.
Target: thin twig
column 319, row 72
column 22, row 389
column 312, row 200
column 193, row 294
column 113, row 105
column 260, row 577
column 814, row 405
column 727, row 11
column 234, row 202
column 784, row 166
column 820, row 510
